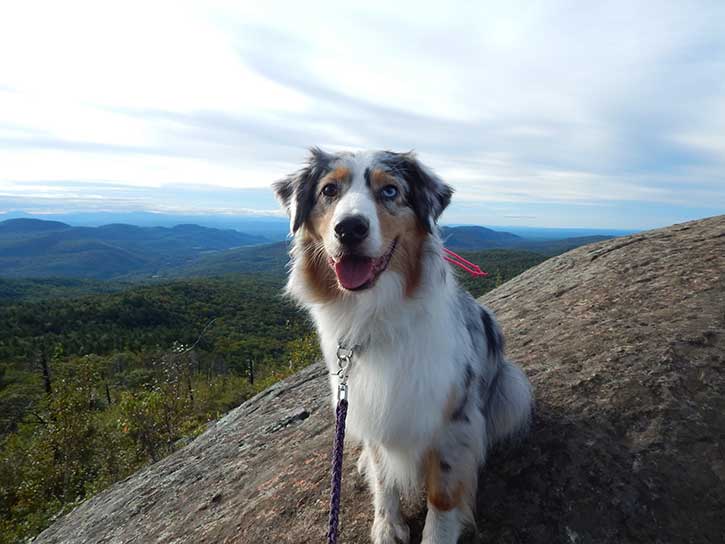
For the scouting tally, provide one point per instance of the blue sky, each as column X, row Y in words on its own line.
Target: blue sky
column 559, row 114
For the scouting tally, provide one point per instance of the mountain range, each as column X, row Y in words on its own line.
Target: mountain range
column 473, row 238
column 33, row 248
column 272, row 226
column 36, row 248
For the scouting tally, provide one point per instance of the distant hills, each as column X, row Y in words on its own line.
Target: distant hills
column 472, row 238
column 272, row 227
column 268, row 259
column 273, row 258
column 33, row 248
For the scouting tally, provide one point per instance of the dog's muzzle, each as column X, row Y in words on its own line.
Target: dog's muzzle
column 358, row 272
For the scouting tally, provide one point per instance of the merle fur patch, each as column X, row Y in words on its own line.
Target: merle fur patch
column 494, row 338
column 301, row 186
column 459, row 414
column 427, row 194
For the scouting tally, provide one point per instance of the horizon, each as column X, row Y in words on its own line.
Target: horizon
column 591, row 117
column 164, row 219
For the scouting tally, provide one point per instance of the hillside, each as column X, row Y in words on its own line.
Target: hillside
column 624, row 342
column 268, row 258
column 31, row 248
column 474, row 237
column 16, row 290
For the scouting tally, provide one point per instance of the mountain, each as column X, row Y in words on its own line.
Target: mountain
column 268, row 259
column 624, row 342
column 551, row 233
column 24, row 226
column 472, row 237
column 273, row 228
column 34, row 248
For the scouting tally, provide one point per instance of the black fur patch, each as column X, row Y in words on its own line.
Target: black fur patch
column 284, row 190
column 494, row 339
column 302, row 186
column 482, row 393
column 459, row 413
column 488, row 393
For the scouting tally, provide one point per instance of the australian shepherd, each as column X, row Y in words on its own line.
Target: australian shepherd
column 430, row 390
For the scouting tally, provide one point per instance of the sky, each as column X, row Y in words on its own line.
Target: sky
column 550, row 114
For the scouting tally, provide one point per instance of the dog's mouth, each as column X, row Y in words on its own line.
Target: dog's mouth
column 357, row 272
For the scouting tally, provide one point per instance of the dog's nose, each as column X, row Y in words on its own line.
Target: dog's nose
column 352, row 230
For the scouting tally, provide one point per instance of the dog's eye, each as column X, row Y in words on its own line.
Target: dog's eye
column 389, row 191
column 330, row 189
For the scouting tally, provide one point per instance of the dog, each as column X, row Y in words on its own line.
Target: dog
column 430, row 390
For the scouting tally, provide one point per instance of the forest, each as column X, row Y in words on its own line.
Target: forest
column 95, row 386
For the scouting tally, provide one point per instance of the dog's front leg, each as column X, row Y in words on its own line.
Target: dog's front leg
column 388, row 526
column 441, row 526
column 451, row 474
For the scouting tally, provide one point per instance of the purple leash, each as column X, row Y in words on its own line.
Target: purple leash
column 337, row 472
column 343, row 361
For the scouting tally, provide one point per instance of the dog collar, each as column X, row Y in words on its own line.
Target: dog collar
column 344, row 362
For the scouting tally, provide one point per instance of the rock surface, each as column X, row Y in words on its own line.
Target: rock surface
column 624, row 342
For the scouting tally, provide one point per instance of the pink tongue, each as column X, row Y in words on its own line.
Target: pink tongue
column 354, row 271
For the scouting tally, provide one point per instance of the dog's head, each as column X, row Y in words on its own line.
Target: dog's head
column 358, row 215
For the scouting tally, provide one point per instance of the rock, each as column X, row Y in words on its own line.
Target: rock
column 624, row 342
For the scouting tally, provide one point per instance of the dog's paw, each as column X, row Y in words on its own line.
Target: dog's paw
column 387, row 532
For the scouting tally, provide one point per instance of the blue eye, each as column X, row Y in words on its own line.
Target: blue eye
column 389, row 191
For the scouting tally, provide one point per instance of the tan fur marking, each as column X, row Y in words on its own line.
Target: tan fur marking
column 442, row 494
column 317, row 272
column 319, row 221
column 415, row 269
column 408, row 253
column 404, row 226
column 380, row 178
column 340, row 173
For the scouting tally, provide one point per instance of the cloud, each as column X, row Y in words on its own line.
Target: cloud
column 550, row 106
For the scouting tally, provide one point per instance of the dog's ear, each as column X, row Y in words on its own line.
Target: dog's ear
column 428, row 194
column 296, row 192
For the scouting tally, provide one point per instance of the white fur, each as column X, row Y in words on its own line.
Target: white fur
column 405, row 368
column 357, row 200
column 441, row 526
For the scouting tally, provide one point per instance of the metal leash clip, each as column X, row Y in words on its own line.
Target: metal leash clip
column 344, row 359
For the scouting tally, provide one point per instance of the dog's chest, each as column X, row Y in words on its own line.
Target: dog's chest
column 397, row 397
